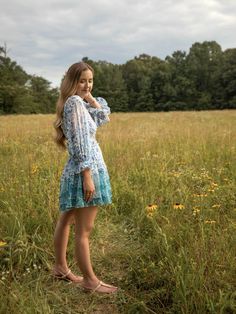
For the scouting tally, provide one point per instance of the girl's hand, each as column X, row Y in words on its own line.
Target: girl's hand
column 89, row 98
column 92, row 101
column 89, row 188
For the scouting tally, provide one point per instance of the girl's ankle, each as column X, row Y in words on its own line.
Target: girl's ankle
column 90, row 280
column 61, row 268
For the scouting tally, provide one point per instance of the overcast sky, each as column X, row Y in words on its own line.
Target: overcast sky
column 45, row 37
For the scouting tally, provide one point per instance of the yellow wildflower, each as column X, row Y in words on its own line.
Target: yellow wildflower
column 178, row 206
column 2, row 243
column 216, row 206
column 210, row 222
column 150, row 215
column 200, row 194
column 34, row 169
column 176, row 174
column 150, row 209
column 196, row 211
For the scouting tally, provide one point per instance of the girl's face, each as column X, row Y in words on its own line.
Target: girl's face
column 85, row 83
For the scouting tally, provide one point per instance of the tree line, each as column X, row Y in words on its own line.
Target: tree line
column 202, row 79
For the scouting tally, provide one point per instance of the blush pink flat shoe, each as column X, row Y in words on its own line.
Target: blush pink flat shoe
column 65, row 276
column 96, row 289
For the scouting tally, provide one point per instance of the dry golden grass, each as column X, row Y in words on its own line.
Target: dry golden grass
column 168, row 239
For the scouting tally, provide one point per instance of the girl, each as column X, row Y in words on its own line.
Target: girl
column 85, row 180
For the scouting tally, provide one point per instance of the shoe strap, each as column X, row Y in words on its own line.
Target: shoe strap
column 66, row 274
column 106, row 285
column 98, row 286
column 101, row 283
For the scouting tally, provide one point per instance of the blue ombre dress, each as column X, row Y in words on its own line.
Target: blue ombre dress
column 79, row 124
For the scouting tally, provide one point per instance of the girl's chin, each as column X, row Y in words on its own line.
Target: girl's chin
column 82, row 94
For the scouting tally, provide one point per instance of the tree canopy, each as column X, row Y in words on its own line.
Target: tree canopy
column 202, row 79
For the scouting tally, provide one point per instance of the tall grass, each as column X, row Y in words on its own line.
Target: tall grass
column 168, row 239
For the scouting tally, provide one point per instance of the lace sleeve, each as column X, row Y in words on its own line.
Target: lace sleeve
column 77, row 133
column 100, row 115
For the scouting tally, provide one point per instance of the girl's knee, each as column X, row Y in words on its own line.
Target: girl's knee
column 85, row 230
column 84, row 220
column 67, row 217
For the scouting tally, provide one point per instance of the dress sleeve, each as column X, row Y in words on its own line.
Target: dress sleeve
column 77, row 133
column 100, row 115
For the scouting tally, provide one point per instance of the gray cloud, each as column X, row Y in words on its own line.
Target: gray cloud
column 46, row 37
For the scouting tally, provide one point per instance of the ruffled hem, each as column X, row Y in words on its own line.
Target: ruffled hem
column 71, row 191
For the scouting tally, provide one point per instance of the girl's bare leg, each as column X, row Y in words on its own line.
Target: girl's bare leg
column 84, row 222
column 61, row 237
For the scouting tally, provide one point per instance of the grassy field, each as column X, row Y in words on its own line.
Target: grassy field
column 168, row 239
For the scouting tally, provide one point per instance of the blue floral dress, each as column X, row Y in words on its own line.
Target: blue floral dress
column 79, row 124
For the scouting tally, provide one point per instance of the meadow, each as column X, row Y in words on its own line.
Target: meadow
column 168, row 239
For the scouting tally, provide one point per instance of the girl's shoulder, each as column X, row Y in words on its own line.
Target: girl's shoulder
column 72, row 101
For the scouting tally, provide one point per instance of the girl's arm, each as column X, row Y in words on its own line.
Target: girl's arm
column 98, row 109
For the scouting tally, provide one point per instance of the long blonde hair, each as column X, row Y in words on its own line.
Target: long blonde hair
column 68, row 88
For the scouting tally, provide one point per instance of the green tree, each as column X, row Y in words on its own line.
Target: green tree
column 12, row 81
column 228, row 78
column 138, row 74
column 183, row 86
column 109, row 83
column 203, row 62
column 21, row 92
column 43, row 95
